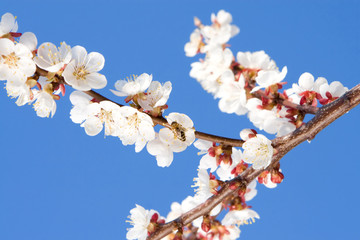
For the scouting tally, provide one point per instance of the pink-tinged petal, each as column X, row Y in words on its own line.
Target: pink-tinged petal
column 96, row 80
column 95, row 62
column 93, row 126
column 29, row 40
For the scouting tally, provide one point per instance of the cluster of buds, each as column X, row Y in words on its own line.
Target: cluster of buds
column 272, row 177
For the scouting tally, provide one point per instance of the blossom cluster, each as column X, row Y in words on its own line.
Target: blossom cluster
column 39, row 74
column 249, row 83
column 238, row 80
column 19, row 61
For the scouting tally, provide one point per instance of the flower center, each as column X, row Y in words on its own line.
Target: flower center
column 262, row 150
column 11, row 60
column 133, row 120
column 80, row 73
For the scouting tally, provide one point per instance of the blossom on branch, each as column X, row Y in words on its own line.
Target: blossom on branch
column 93, row 115
column 154, row 101
column 144, row 223
column 51, row 58
column 134, row 127
column 132, row 86
column 16, row 62
column 82, row 71
column 258, row 151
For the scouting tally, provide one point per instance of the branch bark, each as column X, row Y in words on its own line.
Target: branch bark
column 324, row 116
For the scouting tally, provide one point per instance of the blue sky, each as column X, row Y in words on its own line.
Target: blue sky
column 58, row 183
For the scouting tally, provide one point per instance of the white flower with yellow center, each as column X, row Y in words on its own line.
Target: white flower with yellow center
column 258, row 151
column 82, row 71
column 134, row 127
column 132, row 86
column 102, row 114
column 94, row 116
column 51, row 58
column 156, row 96
column 16, row 62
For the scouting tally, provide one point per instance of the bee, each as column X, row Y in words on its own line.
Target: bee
column 179, row 131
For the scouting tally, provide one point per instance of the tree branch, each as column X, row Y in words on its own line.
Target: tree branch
column 157, row 120
column 325, row 116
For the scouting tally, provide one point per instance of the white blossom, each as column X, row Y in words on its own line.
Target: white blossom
column 336, row 89
column 93, row 116
column 16, row 62
column 203, row 184
column 140, row 219
column 21, row 91
column 306, row 83
column 82, row 71
column 206, row 161
column 156, row 96
column 221, row 31
column 267, row 78
column 133, row 86
column 195, row 45
column 233, row 97
column 134, row 127
column 272, row 121
column 214, row 70
column 51, row 58
column 240, row 217
column 162, row 151
column 258, row 151
column 45, row 105
column 256, row 60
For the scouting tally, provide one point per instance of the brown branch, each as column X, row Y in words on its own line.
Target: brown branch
column 157, row 120
column 325, row 116
column 303, row 108
column 162, row 121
